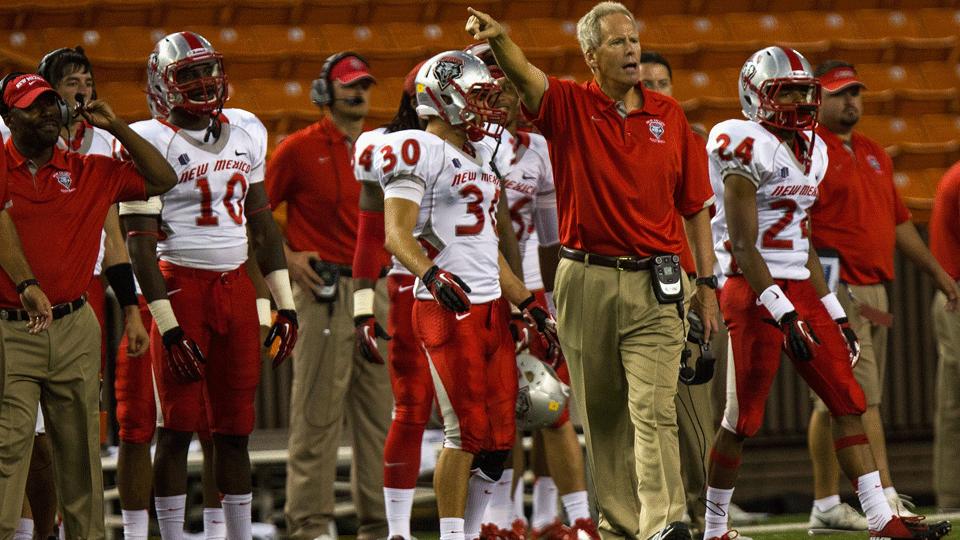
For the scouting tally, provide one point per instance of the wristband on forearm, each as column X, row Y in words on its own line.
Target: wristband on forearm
column 833, row 306
column 278, row 282
column 363, row 303
column 263, row 312
column 776, row 302
column 120, row 278
column 163, row 315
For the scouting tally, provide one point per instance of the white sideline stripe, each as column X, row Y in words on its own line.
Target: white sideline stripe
column 787, row 527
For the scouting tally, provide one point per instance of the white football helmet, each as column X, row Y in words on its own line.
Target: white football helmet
column 768, row 72
column 199, row 95
column 541, row 396
column 457, row 87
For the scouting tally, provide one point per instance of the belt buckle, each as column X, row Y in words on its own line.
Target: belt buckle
column 623, row 259
column 4, row 315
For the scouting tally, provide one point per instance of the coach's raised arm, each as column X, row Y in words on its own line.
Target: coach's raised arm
column 626, row 167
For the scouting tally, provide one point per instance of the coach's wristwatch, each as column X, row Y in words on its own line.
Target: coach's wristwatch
column 709, row 281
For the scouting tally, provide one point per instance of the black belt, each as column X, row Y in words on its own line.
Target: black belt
column 346, row 271
column 630, row 263
column 59, row 311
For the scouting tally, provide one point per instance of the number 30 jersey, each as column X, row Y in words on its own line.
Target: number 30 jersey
column 785, row 190
column 457, row 192
column 203, row 222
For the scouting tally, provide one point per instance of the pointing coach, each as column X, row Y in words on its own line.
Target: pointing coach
column 625, row 164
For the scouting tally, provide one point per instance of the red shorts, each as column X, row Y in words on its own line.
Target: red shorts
column 97, row 298
column 409, row 373
column 474, row 371
column 218, row 310
column 538, row 348
column 757, row 344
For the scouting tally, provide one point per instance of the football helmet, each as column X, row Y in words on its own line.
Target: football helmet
column 768, row 73
column 169, row 87
column 457, row 87
column 541, row 395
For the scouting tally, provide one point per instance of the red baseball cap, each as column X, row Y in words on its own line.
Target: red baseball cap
column 839, row 78
column 23, row 90
column 409, row 82
column 349, row 70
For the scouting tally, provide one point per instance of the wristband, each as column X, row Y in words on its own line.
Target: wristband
column 278, row 282
column 776, row 302
column 120, row 278
column 363, row 303
column 523, row 305
column 263, row 312
column 163, row 315
column 833, row 306
column 22, row 286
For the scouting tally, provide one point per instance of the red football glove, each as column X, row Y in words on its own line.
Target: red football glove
column 799, row 341
column 448, row 289
column 537, row 316
column 183, row 355
column 853, row 343
column 520, row 331
column 284, row 331
column 367, row 331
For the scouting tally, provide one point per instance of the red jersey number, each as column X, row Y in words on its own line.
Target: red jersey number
column 207, row 218
column 475, row 208
column 409, row 152
column 770, row 240
column 743, row 152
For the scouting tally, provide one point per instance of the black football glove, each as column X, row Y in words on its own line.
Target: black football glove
column 367, row 330
column 799, row 341
column 853, row 343
column 284, row 333
column 448, row 289
column 183, row 355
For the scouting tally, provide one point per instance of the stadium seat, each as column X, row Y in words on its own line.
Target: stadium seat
column 246, row 12
column 862, row 50
column 712, row 110
column 516, row 10
column 940, row 74
column 334, row 12
column 913, row 156
column 551, row 42
column 456, row 10
column 819, row 25
column 180, row 13
column 385, row 11
column 133, row 42
column 920, row 101
column 889, row 130
column 847, row 5
column 886, row 76
column 706, row 7
column 114, row 13
column 127, row 99
column 690, row 28
column 386, row 95
column 940, row 22
column 55, row 14
column 290, row 40
column 917, row 188
column 244, row 56
column 27, row 45
column 690, row 84
column 879, row 102
column 940, row 127
column 878, row 23
column 435, row 37
column 95, row 41
column 768, row 28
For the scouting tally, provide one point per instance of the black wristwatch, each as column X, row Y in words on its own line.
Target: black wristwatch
column 709, row 281
column 22, row 286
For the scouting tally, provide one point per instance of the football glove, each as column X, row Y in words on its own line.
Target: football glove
column 448, row 289
column 520, row 331
column 799, row 341
column 367, row 331
column 284, row 332
column 537, row 316
column 183, row 355
column 853, row 343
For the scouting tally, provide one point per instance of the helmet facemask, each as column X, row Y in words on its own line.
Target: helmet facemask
column 482, row 115
column 793, row 116
column 203, row 95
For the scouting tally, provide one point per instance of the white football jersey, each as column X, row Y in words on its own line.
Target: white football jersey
column 458, row 205
column 784, row 193
column 203, row 222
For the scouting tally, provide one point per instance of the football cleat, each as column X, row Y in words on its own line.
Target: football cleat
column 490, row 531
column 677, row 530
column 554, row 531
column 729, row 535
column 911, row 528
column 902, row 506
column 841, row 517
column 586, row 529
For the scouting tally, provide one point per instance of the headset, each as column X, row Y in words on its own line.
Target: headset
column 703, row 372
column 321, row 90
column 64, row 109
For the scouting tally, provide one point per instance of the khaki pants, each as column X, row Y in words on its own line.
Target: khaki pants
column 623, row 349
column 332, row 383
column 946, row 477
column 872, row 366
column 60, row 369
column 696, row 431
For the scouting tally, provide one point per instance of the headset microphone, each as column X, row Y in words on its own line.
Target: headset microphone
column 355, row 100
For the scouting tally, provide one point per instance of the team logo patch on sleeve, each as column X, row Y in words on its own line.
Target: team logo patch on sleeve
column 784, row 172
column 65, row 180
column 657, row 129
column 456, row 163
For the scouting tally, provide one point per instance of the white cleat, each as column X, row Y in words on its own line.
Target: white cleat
column 739, row 516
column 840, row 518
column 902, row 505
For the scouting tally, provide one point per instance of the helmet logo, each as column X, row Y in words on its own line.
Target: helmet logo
column 749, row 71
column 446, row 70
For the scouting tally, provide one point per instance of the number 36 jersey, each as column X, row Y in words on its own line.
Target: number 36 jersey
column 457, row 191
column 785, row 190
column 203, row 222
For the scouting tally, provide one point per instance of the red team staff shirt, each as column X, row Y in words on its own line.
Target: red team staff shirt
column 944, row 232
column 59, row 213
column 312, row 172
column 614, row 174
column 858, row 209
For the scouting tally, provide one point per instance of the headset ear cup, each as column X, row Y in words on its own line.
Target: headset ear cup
column 318, row 92
column 64, row 112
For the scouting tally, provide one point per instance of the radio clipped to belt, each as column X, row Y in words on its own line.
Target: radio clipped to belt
column 666, row 282
column 330, row 276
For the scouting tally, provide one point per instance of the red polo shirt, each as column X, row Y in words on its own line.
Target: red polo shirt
column 312, row 172
column 858, row 209
column 944, row 232
column 621, row 181
column 59, row 213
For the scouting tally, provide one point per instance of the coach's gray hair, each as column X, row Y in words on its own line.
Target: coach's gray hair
column 588, row 28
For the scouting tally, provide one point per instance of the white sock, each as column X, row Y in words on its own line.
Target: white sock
column 136, row 524
column 890, row 492
column 236, row 510
column 500, row 510
column 214, row 524
column 576, row 506
column 874, row 504
column 544, row 502
column 451, row 529
column 399, row 504
column 170, row 511
column 718, row 512
column 479, row 492
column 518, row 511
column 826, row 503
column 24, row 529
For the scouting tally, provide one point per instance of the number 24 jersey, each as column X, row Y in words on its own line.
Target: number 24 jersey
column 457, row 191
column 785, row 190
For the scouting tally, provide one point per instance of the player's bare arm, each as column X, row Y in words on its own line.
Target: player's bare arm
column 400, row 218
column 817, row 277
column 512, row 286
column 910, row 243
column 704, row 303
column 740, row 200
column 15, row 264
column 509, row 247
column 117, row 268
column 158, row 173
column 143, row 232
column 530, row 81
